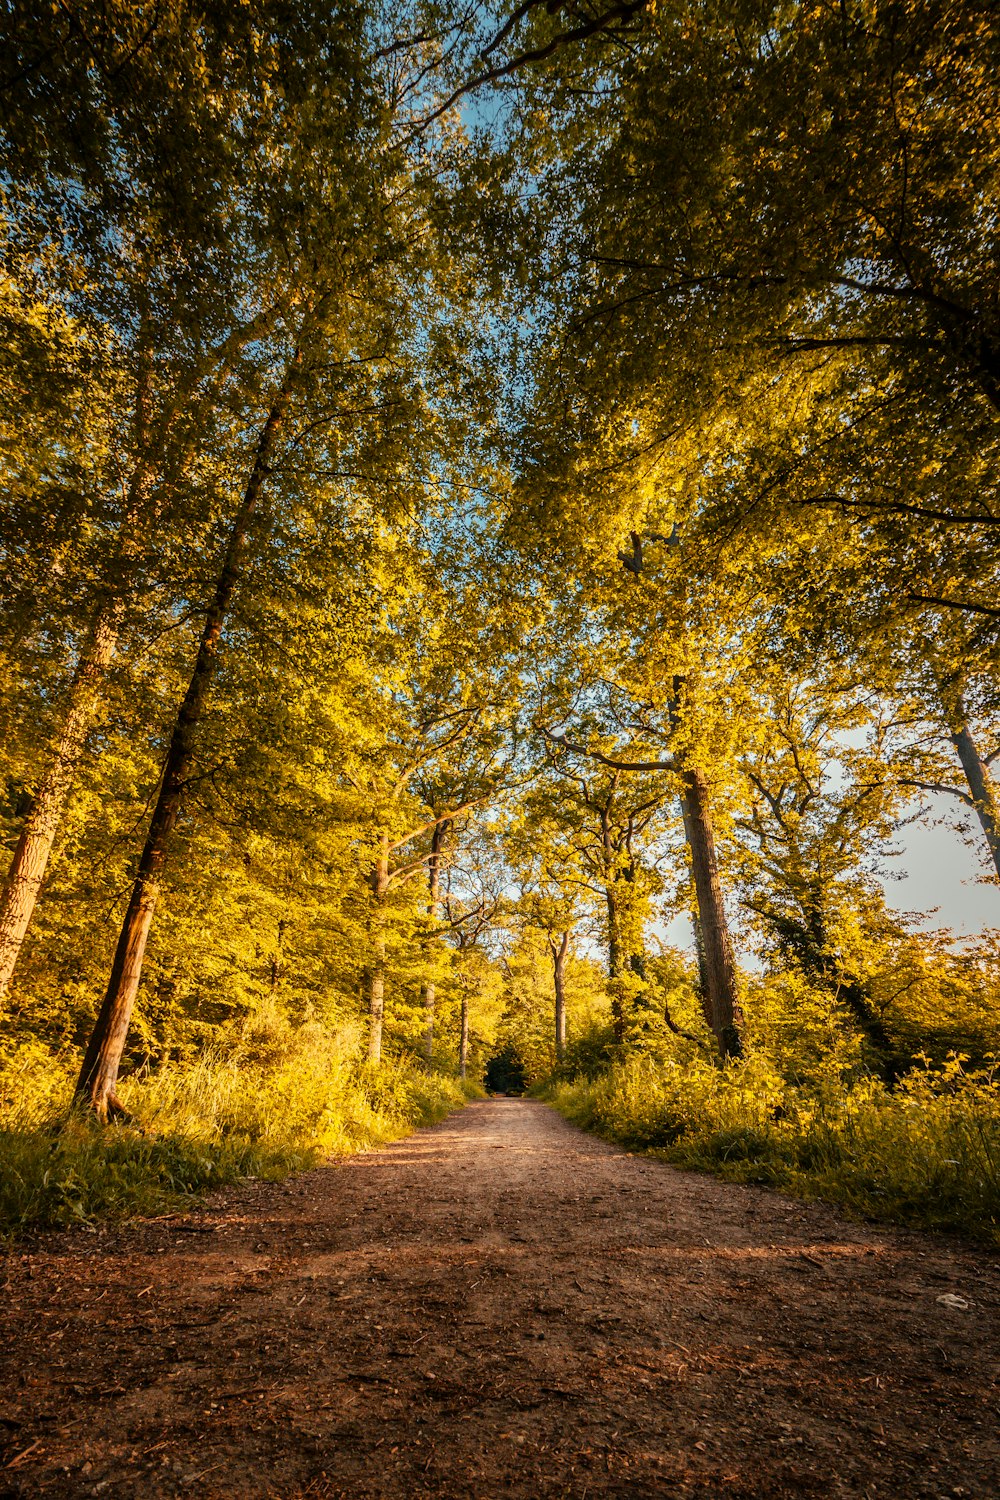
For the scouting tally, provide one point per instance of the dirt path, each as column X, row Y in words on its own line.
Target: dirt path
column 499, row 1306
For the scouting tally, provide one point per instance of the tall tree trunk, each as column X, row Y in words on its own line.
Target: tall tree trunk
column 27, row 869
column 99, row 1074
column 438, row 835
column 617, row 957
column 704, row 983
column 31, row 856
column 713, row 945
column 463, row 1043
column 430, row 1001
column 977, row 775
column 559, row 951
column 376, row 971
column 616, row 963
column 616, row 960
column 719, row 968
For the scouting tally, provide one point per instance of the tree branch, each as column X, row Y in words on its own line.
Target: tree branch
column 975, row 609
column 938, row 786
column 899, row 507
column 623, row 12
column 606, row 760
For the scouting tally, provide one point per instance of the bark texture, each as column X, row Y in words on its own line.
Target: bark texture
column 26, row 874
column 463, row 1042
column 716, row 961
column 978, row 779
column 34, row 846
column 619, row 895
column 438, row 836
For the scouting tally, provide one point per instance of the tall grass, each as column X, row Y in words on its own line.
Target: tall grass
column 270, row 1099
column 926, row 1153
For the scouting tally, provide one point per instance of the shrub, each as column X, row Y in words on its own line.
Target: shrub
column 269, row 1099
column 925, row 1153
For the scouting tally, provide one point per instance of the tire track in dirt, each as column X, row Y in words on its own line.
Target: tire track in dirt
column 499, row 1305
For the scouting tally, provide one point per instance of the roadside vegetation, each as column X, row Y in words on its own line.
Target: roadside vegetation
column 267, row 1099
column 805, row 1109
column 925, row 1154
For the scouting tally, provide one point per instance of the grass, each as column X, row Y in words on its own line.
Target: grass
column 925, row 1154
column 270, row 1100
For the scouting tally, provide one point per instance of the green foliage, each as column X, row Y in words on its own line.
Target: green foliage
column 525, row 1029
column 622, row 463
column 927, row 1153
column 590, row 1052
column 267, row 1099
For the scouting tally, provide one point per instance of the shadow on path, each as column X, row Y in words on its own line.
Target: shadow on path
column 499, row 1306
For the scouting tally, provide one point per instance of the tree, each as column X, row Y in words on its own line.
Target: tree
column 356, row 212
column 819, row 813
column 170, row 279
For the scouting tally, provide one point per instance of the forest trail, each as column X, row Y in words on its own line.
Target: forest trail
column 499, row 1306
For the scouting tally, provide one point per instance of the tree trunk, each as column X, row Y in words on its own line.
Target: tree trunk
column 99, row 1074
column 559, row 951
column 719, row 966
column 463, row 1045
column 30, row 860
column 429, row 1002
column 704, row 984
column 376, row 972
column 34, row 846
column 31, row 856
column 617, row 958
column 434, row 887
column 616, row 961
column 277, row 960
column 977, row 776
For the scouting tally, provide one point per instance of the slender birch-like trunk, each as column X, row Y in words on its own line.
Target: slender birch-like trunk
column 28, row 865
column 31, row 856
column 26, row 874
column 617, row 957
column 463, row 1043
column 559, row 951
column 99, row 1073
column 376, row 970
column 433, row 906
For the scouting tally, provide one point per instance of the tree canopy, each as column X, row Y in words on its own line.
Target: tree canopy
column 480, row 487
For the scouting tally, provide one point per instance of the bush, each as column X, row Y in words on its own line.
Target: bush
column 270, row 1099
column 926, row 1153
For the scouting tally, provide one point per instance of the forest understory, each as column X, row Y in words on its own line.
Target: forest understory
column 500, row 1305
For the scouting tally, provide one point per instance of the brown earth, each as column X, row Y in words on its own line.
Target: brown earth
column 500, row 1306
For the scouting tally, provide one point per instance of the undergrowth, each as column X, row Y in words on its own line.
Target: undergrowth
column 270, row 1099
column 926, row 1153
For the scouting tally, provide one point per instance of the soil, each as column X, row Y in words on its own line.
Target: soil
column 500, row 1306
